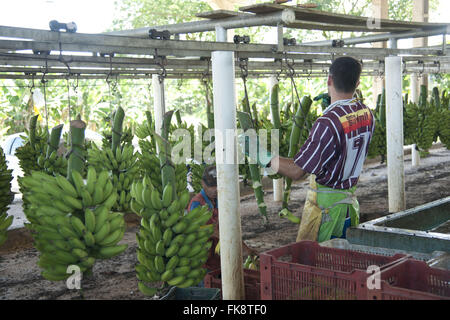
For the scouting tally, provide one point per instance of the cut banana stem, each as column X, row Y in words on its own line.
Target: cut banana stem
column 55, row 137
column 76, row 160
column 117, row 128
column 294, row 141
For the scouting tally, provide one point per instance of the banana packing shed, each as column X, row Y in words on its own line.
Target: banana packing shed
column 157, row 52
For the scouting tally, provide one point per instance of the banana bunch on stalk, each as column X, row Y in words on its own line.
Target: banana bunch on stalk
column 377, row 144
column 410, row 123
column 181, row 178
column 123, row 168
column 6, row 197
column 422, row 121
column 35, row 142
column 149, row 164
column 444, row 127
column 172, row 247
column 197, row 175
column 120, row 160
column 72, row 222
column 126, row 137
column 53, row 164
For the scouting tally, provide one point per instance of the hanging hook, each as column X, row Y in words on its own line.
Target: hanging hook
column 32, row 83
column 43, row 81
column 68, row 97
column 160, row 62
column 205, row 74
column 423, row 69
column 290, row 65
column 277, row 75
column 439, row 66
column 243, row 64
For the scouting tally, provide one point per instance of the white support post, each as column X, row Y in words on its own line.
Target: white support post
column 415, row 156
column 394, row 130
column 223, row 75
column 277, row 183
column 159, row 101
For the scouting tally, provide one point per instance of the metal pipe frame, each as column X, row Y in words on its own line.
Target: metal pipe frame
column 242, row 21
column 55, row 41
column 383, row 37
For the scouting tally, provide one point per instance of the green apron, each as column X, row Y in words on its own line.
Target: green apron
column 325, row 212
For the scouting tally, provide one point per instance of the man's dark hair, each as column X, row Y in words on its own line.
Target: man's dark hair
column 210, row 176
column 345, row 72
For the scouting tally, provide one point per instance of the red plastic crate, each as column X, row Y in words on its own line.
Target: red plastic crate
column 251, row 282
column 412, row 280
column 306, row 271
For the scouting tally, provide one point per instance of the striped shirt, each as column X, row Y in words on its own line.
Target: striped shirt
column 338, row 143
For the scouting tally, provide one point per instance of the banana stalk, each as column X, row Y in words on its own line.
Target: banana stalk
column 436, row 99
column 246, row 123
column 148, row 115
column 383, row 108
column 167, row 167
column 76, row 158
column 274, row 106
column 33, row 122
column 423, row 96
column 377, row 109
column 296, row 133
column 209, row 112
column 255, row 114
column 287, row 111
column 285, row 213
column 178, row 116
column 55, row 136
column 117, row 128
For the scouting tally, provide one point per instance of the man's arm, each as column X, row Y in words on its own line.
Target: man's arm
column 287, row 168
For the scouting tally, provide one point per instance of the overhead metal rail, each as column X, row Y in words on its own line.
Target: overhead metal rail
column 132, row 54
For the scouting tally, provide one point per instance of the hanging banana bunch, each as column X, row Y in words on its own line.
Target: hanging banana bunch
column 149, row 163
column 196, row 176
column 428, row 117
column 71, row 219
column 6, row 197
column 377, row 146
column 172, row 246
column 444, row 120
column 120, row 160
column 35, row 142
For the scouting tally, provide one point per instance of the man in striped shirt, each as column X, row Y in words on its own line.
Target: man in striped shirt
column 333, row 154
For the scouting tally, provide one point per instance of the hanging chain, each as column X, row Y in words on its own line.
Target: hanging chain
column 108, row 82
column 68, row 99
column 32, row 84
column 291, row 74
column 243, row 64
column 43, row 81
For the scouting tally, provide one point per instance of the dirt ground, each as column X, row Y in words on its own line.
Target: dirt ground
column 115, row 278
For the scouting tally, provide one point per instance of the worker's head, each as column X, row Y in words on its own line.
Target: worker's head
column 344, row 76
column 209, row 182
